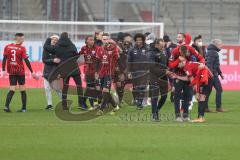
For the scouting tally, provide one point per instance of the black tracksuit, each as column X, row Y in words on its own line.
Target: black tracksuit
column 47, row 59
column 138, row 60
column 158, row 79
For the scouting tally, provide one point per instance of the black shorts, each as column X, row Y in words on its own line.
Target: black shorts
column 204, row 89
column 105, row 82
column 90, row 80
column 16, row 79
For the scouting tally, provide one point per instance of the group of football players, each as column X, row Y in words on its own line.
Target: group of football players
column 151, row 66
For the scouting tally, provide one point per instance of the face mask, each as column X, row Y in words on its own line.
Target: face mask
column 200, row 44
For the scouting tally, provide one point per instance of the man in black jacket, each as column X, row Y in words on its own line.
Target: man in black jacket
column 169, row 46
column 66, row 51
column 158, row 77
column 138, row 57
column 212, row 62
column 50, row 63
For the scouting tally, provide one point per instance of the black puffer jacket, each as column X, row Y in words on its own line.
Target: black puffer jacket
column 47, row 59
column 66, row 51
column 159, row 63
column 212, row 59
column 201, row 50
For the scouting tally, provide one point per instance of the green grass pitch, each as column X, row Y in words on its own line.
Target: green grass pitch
column 40, row 135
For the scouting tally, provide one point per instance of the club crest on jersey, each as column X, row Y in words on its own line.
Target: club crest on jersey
column 93, row 52
column 105, row 59
column 88, row 57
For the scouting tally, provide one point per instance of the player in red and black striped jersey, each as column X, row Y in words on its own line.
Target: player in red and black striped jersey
column 107, row 60
column 182, row 91
column 90, row 51
column 198, row 75
column 13, row 56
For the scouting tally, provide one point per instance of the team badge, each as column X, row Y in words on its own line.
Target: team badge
column 104, row 57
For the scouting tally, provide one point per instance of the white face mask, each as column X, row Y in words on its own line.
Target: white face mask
column 200, row 44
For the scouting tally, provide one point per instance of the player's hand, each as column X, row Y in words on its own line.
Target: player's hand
column 129, row 76
column 181, row 58
column 168, row 44
column 222, row 77
column 56, row 60
column 180, row 65
column 194, row 87
column 201, row 66
column 197, row 96
column 122, row 77
column 173, row 76
column 117, row 69
column 36, row 77
column 170, row 74
column 4, row 73
column 96, row 76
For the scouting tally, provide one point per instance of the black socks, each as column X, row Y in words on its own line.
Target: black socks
column 24, row 99
column 9, row 98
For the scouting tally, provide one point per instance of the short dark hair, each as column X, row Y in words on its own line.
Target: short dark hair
column 158, row 40
column 197, row 38
column 183, row 34
column 127, row 35
column 88, row 37
column 183, row 50
column 19, row 34
column 64, row 35
column 166, row 38
column 139, row 35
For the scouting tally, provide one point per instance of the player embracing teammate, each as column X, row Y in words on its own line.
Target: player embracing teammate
column 183, row 91
column 198, row 75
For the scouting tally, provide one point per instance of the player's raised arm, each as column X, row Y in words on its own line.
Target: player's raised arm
column 196, row 54
column 173, row 60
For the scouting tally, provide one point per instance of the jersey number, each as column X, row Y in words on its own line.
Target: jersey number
column 13, row 59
